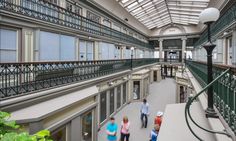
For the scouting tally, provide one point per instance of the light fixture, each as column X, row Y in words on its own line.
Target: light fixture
column 132, row 48
column 208, row 16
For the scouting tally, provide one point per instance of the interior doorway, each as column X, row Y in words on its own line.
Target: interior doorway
column 87, row 126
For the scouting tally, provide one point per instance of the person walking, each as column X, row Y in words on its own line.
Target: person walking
column 125, row 129
column 144, row 113
column 111, row 130
column 154, row 133
column 158, row 118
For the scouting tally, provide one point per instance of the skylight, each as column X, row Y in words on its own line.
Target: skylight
column 158, row 13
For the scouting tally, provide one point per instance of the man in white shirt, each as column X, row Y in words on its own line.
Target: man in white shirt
column 144, row 113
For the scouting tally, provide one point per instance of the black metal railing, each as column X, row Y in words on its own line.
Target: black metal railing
column 41, row 10
column 23, row 78
column 224, row 88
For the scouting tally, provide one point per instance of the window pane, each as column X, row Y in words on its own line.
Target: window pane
column 67, row 48
column 107, row 23
column 111, row 49
column 104, row 50
column 117, row 53
column 118, row 97
column 8, row 44
column 89, row 50
column 93, row 17
column 87, row 126
column 49, row 47
column 127, row 53
column 7, row 56
column 82, row 50
column 112, row 105
column 59, row 135
column 8, row 39
column 116, row 27
column 103, row 106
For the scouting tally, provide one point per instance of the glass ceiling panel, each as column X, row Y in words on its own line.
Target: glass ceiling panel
column 158, row 13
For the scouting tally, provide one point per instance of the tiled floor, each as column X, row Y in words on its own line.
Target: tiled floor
column 161, row 94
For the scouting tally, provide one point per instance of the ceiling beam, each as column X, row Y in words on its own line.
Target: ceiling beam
column 168, row 10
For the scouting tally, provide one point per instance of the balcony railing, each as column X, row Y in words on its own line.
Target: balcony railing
column 224, row 89
column 40, row 10
column 24, row 78
column 225, row 20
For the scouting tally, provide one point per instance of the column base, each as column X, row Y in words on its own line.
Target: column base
column 211, row 113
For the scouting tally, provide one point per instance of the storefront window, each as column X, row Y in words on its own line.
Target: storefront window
column 112, row 104
column 136, row 90
column 103, row 106
column 124, row 93
column 59, row 134
column 118, row 97
column 86, row 50
column 8, row 45
column 87, row 126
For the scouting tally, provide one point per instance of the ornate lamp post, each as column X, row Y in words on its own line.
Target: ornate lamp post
column 208, row 16
column 132, row 54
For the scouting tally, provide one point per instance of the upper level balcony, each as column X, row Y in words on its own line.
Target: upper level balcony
column 41, row 11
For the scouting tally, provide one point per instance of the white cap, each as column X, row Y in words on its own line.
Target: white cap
column 159, row 113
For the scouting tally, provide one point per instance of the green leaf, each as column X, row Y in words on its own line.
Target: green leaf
column 4, row 115
column 43, row 134
column 12, row 124
column 9, row 137
column 43, row 139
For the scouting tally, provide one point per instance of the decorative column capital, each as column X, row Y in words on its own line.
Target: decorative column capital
column 184, row 38
column 160, row 40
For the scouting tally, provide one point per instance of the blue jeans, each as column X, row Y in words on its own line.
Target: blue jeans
column 144, row 123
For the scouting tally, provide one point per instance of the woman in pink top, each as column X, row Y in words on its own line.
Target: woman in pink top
column 125, row 129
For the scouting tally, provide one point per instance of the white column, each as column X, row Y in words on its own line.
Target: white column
column 77, row 48
column 123, row 52
column 28, row 49
column 160, row 48
column 219, row 46
column 183, row 47
column 96, row 50
column 224, row 50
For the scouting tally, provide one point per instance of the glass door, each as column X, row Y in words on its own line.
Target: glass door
column 87, row 126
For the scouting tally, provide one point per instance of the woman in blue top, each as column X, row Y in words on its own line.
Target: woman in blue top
column 111, row 130
column 154, row 133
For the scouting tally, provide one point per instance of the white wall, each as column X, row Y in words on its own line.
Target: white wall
column 174, row 30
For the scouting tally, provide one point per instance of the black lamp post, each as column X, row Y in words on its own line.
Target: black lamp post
column 208, row 16
column 132, row 54
column 170, row 54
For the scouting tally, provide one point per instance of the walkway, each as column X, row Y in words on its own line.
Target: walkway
column 161, row 94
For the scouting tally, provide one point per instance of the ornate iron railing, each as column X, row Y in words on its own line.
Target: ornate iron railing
column 224, row 21
column 224, row 89
column 41, row 10
column 23, row 78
